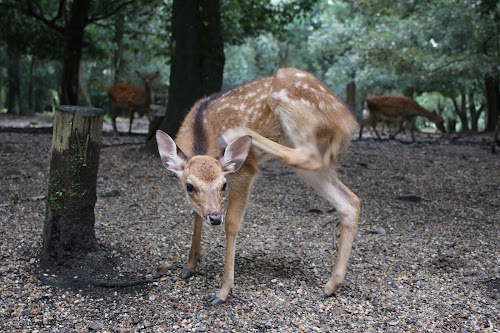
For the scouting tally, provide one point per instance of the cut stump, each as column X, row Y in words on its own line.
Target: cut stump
column 69, row 221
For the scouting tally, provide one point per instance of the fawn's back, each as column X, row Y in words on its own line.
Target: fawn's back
column 292, row 108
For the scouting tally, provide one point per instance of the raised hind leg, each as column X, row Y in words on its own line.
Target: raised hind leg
column 307, row 157
column 347, row 204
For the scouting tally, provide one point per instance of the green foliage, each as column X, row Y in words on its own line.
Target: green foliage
column 248, row 18
column 444, row 48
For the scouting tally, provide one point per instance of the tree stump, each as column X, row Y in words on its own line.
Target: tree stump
column 69, row 231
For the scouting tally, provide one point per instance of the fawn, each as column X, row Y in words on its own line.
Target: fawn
column 225, row 137
column 396, row 109
column 127, row 99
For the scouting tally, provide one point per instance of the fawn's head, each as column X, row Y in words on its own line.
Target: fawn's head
column 203, row 177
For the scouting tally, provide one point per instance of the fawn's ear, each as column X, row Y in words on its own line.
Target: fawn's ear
column 235, row 154
column 172, row 157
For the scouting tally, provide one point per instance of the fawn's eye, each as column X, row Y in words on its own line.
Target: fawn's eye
column 224, row 187
column 189, row 187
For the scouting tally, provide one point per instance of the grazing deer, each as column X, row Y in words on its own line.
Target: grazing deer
column 126, row 99
column 396, row 109
column 292, row 116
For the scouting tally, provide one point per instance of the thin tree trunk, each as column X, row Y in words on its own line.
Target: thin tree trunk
column 474, row 114
column 118, row 61
column 351, row 92
column 13, row 80
column 83, row 95
column 73, row 50
column 492, row 86
column 461, row 111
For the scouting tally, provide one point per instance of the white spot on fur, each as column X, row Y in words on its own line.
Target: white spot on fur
column 282, row 95
column 321, row 105
column 250, row 95
column 305, row 102
column 300, row 74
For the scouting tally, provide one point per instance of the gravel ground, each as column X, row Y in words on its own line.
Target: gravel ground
column 426, row 257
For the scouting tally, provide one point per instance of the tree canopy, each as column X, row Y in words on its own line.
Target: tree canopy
column 445, row 53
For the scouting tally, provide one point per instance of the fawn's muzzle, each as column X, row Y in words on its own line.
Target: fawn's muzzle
column 215, row 219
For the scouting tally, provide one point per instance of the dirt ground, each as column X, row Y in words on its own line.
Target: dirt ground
column 425, row 259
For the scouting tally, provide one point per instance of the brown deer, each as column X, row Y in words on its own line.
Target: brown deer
column 225, row 137
column 396, row 109
column 127, row 100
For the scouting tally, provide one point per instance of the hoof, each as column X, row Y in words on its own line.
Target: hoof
column 215, row 300
column 186, row 274
column 323, row 295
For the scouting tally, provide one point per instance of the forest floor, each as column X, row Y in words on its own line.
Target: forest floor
column 426, row 257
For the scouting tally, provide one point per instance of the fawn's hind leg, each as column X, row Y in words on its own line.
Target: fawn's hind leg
column 347, row 204
column 306, row 157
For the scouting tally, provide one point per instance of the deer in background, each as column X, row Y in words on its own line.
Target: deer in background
column 396, row 109
column 127, row 100
column 226, row 136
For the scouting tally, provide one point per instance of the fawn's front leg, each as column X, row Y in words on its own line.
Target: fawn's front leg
column 195, row 251
column 239, row 188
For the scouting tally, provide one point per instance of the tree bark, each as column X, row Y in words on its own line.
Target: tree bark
column 212, row 47
column 351, row 93
column 69, row 232
column 461, row 112
column 492, row 86
column 495, row 137
column 118, row 61
column 185, row 84
column 197, row 58
column 13, row 80
column 73, row 50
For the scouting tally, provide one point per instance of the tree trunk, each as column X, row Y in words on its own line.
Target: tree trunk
column 197, row 58
column 495, row 137
column 474, row 114
column 492, row 86
column 13, row 80
column 69, row 221
column 83, row 95
column 185, row 83
column 73, row 50
column 461, row 112
column 212, row 47
column 118, row 62
column 351, row 93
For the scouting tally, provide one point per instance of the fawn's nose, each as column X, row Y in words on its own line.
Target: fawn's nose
column 215, row 219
